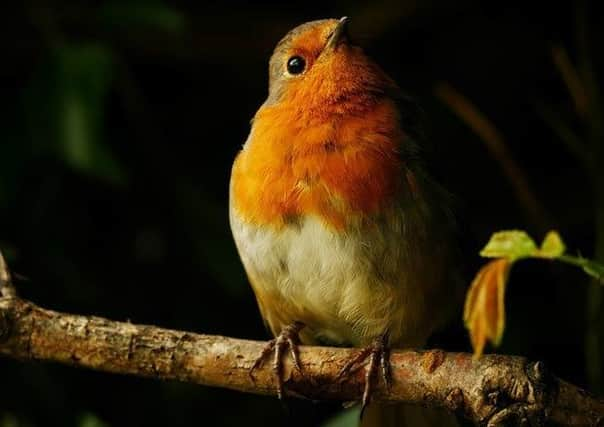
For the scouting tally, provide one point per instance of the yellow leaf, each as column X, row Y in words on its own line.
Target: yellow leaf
column 484, row 311
column 512, row 244
column 552, row 246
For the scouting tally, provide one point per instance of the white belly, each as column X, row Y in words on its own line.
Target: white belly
column 346, row 287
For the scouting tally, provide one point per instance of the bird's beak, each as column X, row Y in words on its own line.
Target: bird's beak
column 339, row 34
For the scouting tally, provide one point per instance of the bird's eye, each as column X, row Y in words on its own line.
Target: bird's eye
column 296, row 65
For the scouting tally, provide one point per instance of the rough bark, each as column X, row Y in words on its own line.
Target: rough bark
column 492, row 390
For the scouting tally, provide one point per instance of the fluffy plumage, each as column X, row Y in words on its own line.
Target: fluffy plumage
column 335, row 222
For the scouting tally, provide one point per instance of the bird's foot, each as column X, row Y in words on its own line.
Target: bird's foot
column 287, row 339
column 378, row 355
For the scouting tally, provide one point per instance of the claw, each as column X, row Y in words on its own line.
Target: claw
column 386, row 367
column 378, row 354
column 288, row 338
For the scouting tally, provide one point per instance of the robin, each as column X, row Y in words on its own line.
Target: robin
column 345, row 239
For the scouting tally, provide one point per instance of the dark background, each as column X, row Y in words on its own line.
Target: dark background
column 120, row 123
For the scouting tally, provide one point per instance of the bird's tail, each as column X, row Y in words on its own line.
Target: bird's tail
column 406, row 415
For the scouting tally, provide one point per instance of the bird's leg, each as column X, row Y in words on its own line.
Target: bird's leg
column 287, row 338
column 378, row 355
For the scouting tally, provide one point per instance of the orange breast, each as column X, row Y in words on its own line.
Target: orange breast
column 337, row 167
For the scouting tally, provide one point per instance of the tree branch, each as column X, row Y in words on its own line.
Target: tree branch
column 489, row 390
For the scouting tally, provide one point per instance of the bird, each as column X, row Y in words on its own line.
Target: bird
column 345, row 238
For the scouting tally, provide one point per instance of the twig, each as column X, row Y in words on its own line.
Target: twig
column 571, row 79
column 567, row 135
column 7, row 289
column 497, row 147
column 490, row 390
column 586, row 67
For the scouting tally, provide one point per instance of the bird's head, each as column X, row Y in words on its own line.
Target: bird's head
column 317, row 66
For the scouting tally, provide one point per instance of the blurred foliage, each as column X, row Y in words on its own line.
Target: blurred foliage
column 346, row 418
column 120, row 124
column 142, row 15
column 9, row 420
column 91, row 420
column 484, row 309
column 66, row 106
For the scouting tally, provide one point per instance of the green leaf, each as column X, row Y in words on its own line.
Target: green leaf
column 552, row 246
column 512, row 244
column 91, row 420
column 346, row 418
column 86, row 73
column 594, row 269
column 66, row 109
